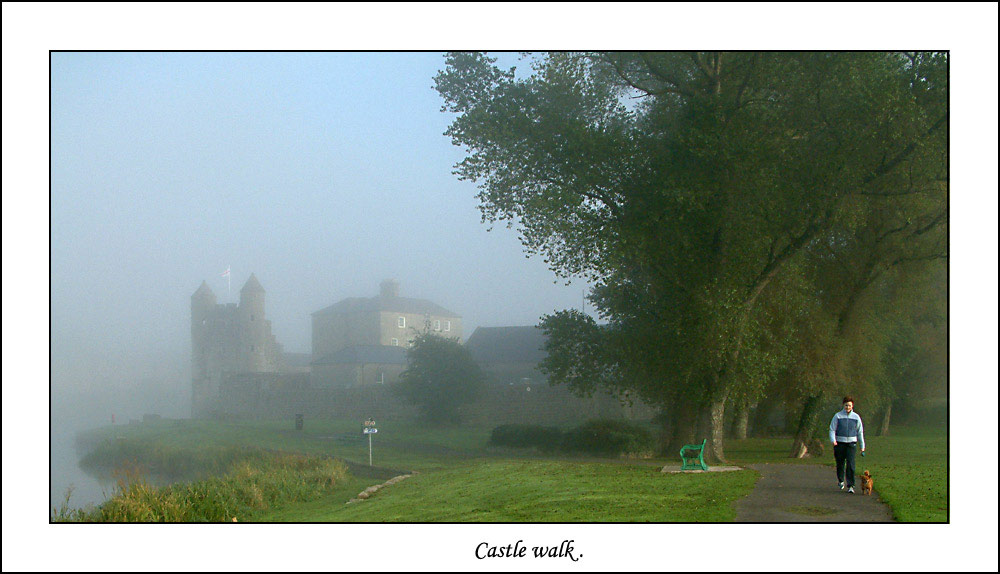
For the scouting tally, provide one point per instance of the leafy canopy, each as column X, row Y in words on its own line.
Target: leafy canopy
column 694, row 189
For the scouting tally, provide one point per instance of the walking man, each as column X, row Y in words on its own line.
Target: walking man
column 846, row 432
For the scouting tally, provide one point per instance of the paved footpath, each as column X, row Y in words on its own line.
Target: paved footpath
column 807, row 493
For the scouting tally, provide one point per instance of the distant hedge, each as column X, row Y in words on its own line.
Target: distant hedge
column 602, row 437
column 606, row 437
column 526, row 436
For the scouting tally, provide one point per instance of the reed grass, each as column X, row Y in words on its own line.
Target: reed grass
column 256, row 481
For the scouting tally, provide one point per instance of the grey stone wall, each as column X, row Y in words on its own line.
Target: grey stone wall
column 353, row 375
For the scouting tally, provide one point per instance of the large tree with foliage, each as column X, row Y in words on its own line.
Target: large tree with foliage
column 441, row 376
column 685, row 185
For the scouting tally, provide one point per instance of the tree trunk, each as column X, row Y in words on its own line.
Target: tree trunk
column 884, row 427
column 717, row 428
column 807, row 423
column 742, row 422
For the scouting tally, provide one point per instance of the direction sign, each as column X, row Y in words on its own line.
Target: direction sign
column 371, row 430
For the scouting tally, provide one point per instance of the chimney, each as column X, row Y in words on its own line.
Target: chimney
column 389, row 288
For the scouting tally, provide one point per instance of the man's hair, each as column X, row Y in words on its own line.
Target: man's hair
column 847, row 399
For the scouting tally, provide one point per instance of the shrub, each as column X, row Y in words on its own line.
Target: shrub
column 526, row 436
column 606, row 437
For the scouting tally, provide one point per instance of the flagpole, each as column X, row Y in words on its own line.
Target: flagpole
column 229, row 282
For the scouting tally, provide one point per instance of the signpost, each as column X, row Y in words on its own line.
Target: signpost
column 370, row 430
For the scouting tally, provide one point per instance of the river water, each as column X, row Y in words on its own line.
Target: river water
column 65, row 473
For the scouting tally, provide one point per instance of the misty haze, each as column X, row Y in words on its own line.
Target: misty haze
column 467, row 311
column 471, row 287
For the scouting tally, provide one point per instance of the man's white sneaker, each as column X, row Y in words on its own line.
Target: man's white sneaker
column 841, row 484
column 850, row 490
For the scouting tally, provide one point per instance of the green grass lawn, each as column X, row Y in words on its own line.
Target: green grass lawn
column 461, row 479
column 539, row 491
column 402, row 446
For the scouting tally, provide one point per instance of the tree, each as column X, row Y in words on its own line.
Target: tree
column 686, row 186
column 440, row 377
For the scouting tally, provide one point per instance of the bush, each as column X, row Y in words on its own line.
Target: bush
column 526, row 436
column 606, row 437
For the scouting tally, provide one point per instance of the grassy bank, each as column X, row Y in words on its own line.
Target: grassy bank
column 541, row 491
column 254, row 482
column 462, row 479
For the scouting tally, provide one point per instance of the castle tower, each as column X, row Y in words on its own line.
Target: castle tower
column 231, row 344
column 203, row 303
column 255, row 329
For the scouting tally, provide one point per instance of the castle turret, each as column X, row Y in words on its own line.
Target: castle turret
column 255, row 329
column 252, row 295
column 203, row 300
column 203, row 305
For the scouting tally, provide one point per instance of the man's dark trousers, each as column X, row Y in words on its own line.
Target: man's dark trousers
column 843, row 452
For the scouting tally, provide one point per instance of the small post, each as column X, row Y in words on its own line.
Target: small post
column 370, row 430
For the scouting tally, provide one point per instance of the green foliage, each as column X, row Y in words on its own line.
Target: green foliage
column 461, row 481
column 579, row 353
column 741, row 214
column 257, row 481
column 603, row 437
column 544, row 438
column 607, row 437
column 441, row 376
column 160, row 460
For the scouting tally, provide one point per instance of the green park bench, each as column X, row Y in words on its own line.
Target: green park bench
column 693, row 456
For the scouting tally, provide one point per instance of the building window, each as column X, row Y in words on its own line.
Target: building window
column 437, row 325
column 447, row 325
column 380, row 377
column 252, row 348
column 394, row 341
column 401, row 322
column 251, row 317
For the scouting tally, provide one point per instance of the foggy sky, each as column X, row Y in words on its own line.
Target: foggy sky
column 322, row 173
column 146, row 179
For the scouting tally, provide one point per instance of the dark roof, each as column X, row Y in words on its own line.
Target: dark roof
column 252, row 285
column 391, row 304
column 507, row 344
column 382, row 354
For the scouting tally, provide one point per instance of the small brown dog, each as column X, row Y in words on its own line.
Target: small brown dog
column 867, row 483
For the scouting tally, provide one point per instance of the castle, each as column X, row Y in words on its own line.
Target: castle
column 357, row 341
column 358, row 350
column 226, row 340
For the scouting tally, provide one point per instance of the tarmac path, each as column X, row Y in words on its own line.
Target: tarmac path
column 807, row 493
